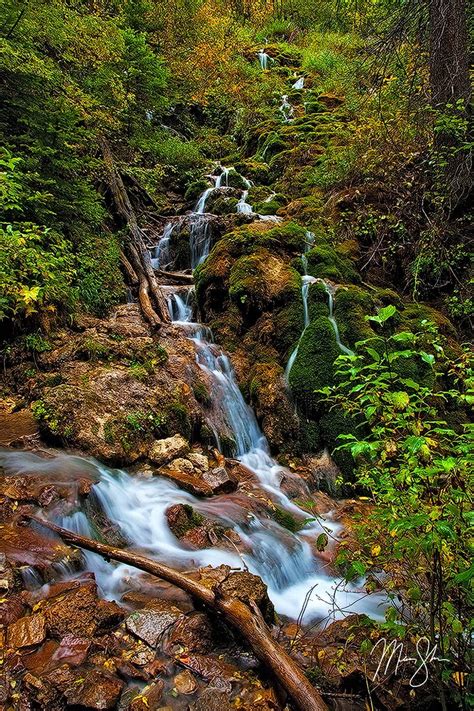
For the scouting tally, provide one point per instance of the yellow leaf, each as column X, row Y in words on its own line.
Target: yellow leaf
column 458, row 678
column 376, row 550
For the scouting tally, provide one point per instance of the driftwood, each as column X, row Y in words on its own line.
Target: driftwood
column 247, row 619
column 152, row 301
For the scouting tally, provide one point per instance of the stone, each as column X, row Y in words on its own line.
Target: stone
column 193, row 632
column 250, row 589
column 11, row 609
column 185, row 683
column 182, row 465
column 27, row 631
column 194, row 484
column 213, row 700
column 95, row 690
column 163, row 451
column 149, row 698
column 199, row 461
column 212, row 669
column 220, row 481
column 151, row 622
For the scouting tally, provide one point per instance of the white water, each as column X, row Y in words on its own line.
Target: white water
column 161, row 258
column 264, row 58
column 299, row 83
column 306, row 282
column 243, row 206
column 286, row 109
column 330, row 292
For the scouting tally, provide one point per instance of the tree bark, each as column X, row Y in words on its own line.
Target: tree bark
column 155, row 308
column 245, row 618
column 451, row 91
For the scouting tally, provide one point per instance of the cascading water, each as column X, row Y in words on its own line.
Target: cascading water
column 299, row 84
column 243, row 206
column 286, row 109
column 306, row 282
column 161, row 258
column 330, row 290
column 264, row 58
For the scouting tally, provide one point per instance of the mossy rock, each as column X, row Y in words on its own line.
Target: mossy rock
column 326, row 262
column 235, row 180
column 224, row 205
column 314, row 365
column 261, row 280
column 289, row 324
column 351, row 306
column 179, row 249
column 270, row 207
column 195, row 189
column 254, row 170
column 271, row 145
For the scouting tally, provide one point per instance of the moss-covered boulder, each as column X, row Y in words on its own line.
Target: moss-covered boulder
column 329, row 262
column 261, row 280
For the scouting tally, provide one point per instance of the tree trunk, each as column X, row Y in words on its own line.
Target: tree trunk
column 247, row 619
column 451, row 93
column 154, row 308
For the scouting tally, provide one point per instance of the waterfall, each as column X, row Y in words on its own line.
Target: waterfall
column 299, row 83
column 264, row 58
column 222, row 178
column 243, row 206
column 306, row 282
column 199, row 238
column 161, row 258
column 330, row 290
column 286, row 109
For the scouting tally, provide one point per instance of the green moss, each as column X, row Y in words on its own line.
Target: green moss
column 188, row 521
column 235, row 180
column 269, row 207
column 178, row 420
column 195, row 189
column 260, row 280
column 179, row 248
column 270, row 145
column 286, row 520
column 314, row 365
column 325, row 262
column 351, row 305
column 224, row 205
column 289, row 323
column 201, row 393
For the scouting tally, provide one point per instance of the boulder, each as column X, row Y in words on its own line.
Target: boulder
column 148, row 698
column 95, row 690
column 163, row 451
column 193, row 632
column 27, row 631
column 182, row 465
column 220, row 481
column 185, row 683
column 189, row 482
column 151, row 622
column 199, row 461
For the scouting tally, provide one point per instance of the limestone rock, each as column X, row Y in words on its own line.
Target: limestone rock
column 185, row 683
column 95, row 690
column 199, row 461
column 182, row 465
column 164, row 451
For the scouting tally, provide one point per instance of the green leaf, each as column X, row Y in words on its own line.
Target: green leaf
column 321, row 542
column 400, row 399
column 427, row 358
column 383, row 314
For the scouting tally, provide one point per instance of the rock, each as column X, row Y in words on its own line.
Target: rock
column 27, row 631
column 193, row 632
column 185, row 683
column 72, row 650
column 220, row 481
column 163, row 451
column 150, row 623
column 95, row 690
column 248, row 588
column 79, row 611
column 199, row 461
column 212, row 669
column 182, row 465
column 11, row 609
column 213, row 700
column 188, row 482
column 149, row 698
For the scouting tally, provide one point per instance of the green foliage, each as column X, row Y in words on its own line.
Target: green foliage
column 416, row 470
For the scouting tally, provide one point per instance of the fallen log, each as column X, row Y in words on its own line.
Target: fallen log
column 245, row 617
column 137, row 252
column 175, row 276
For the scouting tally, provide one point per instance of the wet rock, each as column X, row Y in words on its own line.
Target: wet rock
column 212, row 669
column 213, row 700
column 193, row 632
column 164, row 451
column 72, row 650
column 188, row 482
column 199, row 461
column 11, row 609
column 248, row 588
column 182, row 465
column 22, row 545
column 14, row 426
column 150, row 623
column 79, row 611
column 220, row 481
column 27, row 631
column 185, row 683
column 149, row 698
column 95, row 690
